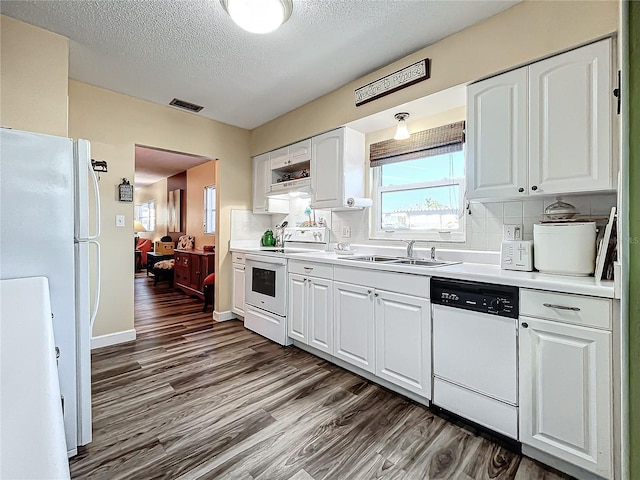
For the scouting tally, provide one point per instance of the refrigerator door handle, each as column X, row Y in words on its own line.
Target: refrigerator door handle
column 96, row 189
column 96, row 301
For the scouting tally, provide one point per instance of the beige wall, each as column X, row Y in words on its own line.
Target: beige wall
column 521, row 34
column 198, row 178
column 158, row 192
column 34, row 65
column 114, row 124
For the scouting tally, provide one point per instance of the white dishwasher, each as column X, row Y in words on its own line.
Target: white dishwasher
column 475, row 352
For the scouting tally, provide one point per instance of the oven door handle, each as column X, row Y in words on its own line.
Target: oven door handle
column 266, row 259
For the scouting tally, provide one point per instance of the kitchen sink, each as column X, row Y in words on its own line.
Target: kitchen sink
column 374, row 258
column 422, row 262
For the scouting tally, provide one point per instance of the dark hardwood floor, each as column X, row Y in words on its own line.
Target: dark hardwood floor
column 192, row 398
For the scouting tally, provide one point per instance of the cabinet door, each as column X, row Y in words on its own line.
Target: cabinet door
column 320, row 303
column 565, row 392
column 279, row 158
column 300, row 152
column 571, row 121
column 403, row 341
column 354, row 332
column 195, row 279
column 327, row 179
column 497, row 136
column 238, row 289
column 261, row 169
column 297, row 315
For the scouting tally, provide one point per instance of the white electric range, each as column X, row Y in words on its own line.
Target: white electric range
column 266, row 281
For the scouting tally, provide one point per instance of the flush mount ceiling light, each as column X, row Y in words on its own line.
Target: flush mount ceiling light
column 258, row 16
column 402, row 132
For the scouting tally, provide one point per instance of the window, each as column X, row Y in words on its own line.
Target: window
column 146, row 214
column 210, row 209
column 418, row 192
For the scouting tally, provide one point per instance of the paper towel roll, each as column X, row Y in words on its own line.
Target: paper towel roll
column 359, row 202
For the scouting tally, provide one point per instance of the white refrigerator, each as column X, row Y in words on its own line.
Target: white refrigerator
column 46, row 229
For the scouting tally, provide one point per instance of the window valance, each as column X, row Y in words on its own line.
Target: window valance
column 427, row 143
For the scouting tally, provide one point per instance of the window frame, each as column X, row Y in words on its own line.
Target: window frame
column 209, row 224
column 376, row 232
column 151, row 206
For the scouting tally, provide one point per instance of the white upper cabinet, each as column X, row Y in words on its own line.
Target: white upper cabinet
column 299, row 152
column 571, row 105
column 262, row 186
column 261, row 172
column 497, row 136
column 337, row 168
column 543, row 129
column 279, row 158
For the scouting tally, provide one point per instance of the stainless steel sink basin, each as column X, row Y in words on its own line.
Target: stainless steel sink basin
column 423, row 262
column 373, row 258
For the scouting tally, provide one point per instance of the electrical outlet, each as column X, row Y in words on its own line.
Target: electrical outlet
column 346, row 231
column 119, row 220
column 512, row 232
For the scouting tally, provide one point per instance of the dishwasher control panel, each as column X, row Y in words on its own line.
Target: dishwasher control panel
column 475, row 296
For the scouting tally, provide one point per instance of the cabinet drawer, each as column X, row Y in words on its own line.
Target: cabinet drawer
column 237, row 258
column 417, row 285
column 311, row 269
column 562, row 307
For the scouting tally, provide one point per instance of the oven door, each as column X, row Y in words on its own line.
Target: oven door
column 265, row 285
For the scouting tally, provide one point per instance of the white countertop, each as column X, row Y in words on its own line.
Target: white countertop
column 489, row 273
column 32, row 435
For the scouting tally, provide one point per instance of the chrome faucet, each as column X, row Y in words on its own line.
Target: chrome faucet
column 410, row 244
column 433, row 253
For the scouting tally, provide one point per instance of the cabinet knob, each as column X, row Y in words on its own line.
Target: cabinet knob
column 521, row 190
column 534, row 188
column 525, row 325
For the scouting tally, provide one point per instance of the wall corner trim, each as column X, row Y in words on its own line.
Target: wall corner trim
column 113, row 339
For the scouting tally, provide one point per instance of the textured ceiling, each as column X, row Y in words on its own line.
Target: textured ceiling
column 190, row 49
column 153, row 165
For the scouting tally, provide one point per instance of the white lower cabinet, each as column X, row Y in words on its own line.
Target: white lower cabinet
column 238, row 286
column 565, row 392
column 310, row 315
column 385, row 333
column 403, row 341
column 353, row 321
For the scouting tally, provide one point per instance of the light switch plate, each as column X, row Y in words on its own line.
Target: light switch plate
column 119, row 220
column 346, row 231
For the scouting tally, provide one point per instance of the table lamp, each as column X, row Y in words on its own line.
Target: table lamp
column 137, row 227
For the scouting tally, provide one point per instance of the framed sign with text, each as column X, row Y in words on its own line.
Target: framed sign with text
column 393, row 82
column 125, row 191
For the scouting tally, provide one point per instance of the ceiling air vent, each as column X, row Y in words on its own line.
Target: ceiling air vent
column 192, row 107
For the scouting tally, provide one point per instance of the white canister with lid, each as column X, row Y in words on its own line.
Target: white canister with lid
column 565, row 248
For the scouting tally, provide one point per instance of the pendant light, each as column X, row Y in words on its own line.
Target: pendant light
column 258, row 16
column 402, row 132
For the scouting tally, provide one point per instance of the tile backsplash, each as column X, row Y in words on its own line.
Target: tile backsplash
column 484, row 221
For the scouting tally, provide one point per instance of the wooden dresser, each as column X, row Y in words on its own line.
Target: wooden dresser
column 190, row 270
